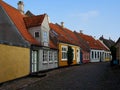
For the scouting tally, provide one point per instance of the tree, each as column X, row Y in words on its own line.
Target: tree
column 70, row 55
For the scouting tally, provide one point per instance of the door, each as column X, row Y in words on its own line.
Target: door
column 81, row 57
column 78, row 56
column 34, row 63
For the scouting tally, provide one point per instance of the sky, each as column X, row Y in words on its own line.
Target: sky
column 93, row 17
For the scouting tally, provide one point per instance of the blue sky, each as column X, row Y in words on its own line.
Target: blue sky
column 94, row 17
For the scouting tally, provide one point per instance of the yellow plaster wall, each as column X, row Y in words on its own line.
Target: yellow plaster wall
column 107, row 59
column 14, row 62
column 64, row 63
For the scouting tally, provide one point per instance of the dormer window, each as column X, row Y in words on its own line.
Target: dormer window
column 45, row 36
column 36, row 34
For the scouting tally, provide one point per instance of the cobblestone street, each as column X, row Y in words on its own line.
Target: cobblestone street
column 93, row 76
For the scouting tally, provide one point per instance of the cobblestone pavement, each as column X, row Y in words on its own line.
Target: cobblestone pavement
column 93, row 76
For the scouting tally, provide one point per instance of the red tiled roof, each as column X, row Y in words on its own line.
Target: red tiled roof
column 65, row 35
column 83, row 44
column 52, row 45
column 71, row 36
column 34, row 20
column 91, row 41
column 17, row 19
column 61, row 34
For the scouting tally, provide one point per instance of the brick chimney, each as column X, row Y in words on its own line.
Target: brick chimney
column 81, row 31
column 62, row 24
column 21, row 7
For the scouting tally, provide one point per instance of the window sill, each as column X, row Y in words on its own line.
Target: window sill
column 56, row 61
column 45, row 62
column 64, row 60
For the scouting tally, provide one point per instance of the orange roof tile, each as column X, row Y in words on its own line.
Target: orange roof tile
column 34, row 20
column 65, row 35
column 52, row 45
column 83, row 44
column 61, row 34
column 91, row 41
column 17, row 19
column 71, row 36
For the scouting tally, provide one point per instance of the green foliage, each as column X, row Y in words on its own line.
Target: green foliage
column 70, row 55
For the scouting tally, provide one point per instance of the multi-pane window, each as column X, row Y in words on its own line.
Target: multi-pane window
column 92, row 54
column 73, row 53
column 55, row 56
column 95, row 55
column 50, row 56
column 45, row 36
column 64, row 53
column 45, row 55
column 98, row 54
column 36, row 34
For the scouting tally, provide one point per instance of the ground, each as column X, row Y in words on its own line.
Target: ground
column 93, row 76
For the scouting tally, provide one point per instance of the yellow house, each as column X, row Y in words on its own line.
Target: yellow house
column 59, row 35
column 63, row 47
column 15, row 44
column 14, row 62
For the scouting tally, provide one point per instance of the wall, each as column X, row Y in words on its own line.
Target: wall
column 107, row 56
column 96, row 57
column 14, row 62
column 64, row 62
column 46, row 65
column 44, row 59
column 118, row 51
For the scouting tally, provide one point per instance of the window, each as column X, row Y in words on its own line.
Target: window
column 55, row 56
column 73, row 53
column 98, row 54
column 95, row 55
column 45, row 55
column 50, row 56
column 36, row 34
column 64, row 53
column 105, row 55
column 45, row 36
column 92, row 54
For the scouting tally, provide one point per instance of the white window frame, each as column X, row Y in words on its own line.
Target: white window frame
column 45, row 36
column 73, row 53
column 51, row 55
column 55, row 57
column 35, row 34
column 45, row 56
column 64, row 59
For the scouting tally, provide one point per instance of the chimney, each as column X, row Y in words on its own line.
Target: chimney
column 62, row 24
column 21, row 7
column 109, row 38
column 81, row 31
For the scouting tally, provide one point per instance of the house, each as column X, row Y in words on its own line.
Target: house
column 107, row 52
column 97, row 50
column 44, row 56
column 22, row 52
column 60, row 35
column 85, row 49
column 117, row 45
column 14, row 48
column 107, row 42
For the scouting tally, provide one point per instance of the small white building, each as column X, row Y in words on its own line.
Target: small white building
column 43, row 56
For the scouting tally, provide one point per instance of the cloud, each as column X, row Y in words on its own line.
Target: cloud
column 86, row 16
